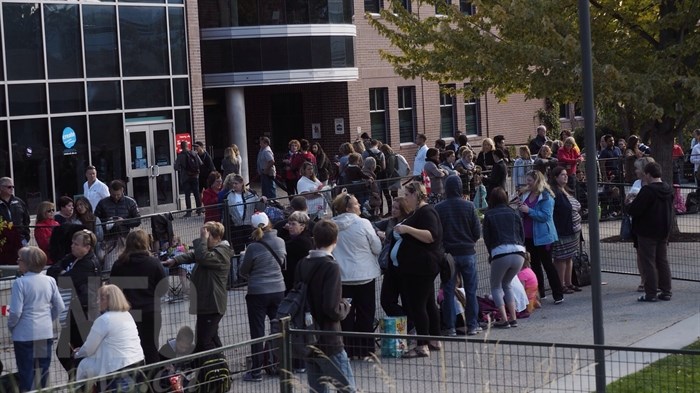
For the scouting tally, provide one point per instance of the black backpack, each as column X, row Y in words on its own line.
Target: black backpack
column 191, row 164
column 296, row 305
column 379, row 170
column 692, row 203
column 214, row 375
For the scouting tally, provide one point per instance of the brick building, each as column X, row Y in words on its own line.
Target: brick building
column 280, row 68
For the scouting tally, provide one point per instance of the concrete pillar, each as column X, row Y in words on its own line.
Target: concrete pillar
column 235, row 113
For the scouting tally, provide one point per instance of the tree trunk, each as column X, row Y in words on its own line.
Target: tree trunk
column 662, row 151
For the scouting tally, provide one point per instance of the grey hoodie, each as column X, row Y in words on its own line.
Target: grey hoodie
column 261, row 268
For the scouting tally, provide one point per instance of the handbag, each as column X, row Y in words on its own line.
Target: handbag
column 626, row 227
column 582, row 268
column 383, row 258
column 447, row 267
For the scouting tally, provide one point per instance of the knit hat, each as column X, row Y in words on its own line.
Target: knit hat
column 259, row 219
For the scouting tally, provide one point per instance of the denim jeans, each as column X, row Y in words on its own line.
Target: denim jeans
column 334, row 370
column 466, row 266
column 26, row 354
column 267, row 186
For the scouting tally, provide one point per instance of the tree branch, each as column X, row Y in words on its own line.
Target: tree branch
column 632, row 26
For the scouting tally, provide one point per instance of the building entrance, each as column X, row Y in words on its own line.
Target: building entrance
column 150, row 166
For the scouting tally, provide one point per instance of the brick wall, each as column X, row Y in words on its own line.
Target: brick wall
column 196, row 91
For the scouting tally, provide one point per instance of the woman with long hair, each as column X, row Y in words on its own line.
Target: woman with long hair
column 231, row 163
column 567, row 220
column 262, row 265
column 356, row 251
column 416, row 253
column 504, row 240
column 569, row 157
column 631, row 154
column 309, row 186
column 113, row 340
column 86, row 217
column 210, row 197
column 140, row 276
column 537, row 207
column 323, row 163
column 344, row 151
column 544, row 161
column 436, row 174
column 44, row 226
column 485, row 157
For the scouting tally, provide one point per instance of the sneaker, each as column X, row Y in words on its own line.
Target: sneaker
column 475, row 331
column 449, row 332
column 645, row 298
column 299, row 370
column 501, row 324
column 665, row 296
column 513, row 323
column 252, row 377
column 559, row 301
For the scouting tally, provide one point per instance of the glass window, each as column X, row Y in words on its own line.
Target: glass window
column 407, row 114
column 183, row 123
column 447, row 113
column 297, row 11
column 107, row 146
column 441, row 7
column 272, row 12
column 299, row 52
column 104, row 96
column 100, row 36
column 406, row 4
column 578, row 109
column 472, row 122
column 178, row 43
column 70, row 154
column 144, row 41
column 25, row 51
column 252, row 62
column 563, row 111
column 31, row 161
column 27, row 99
column 3, row 107
column 217, row 56
column 146, row 93
column 318, row 11
column 378, row 115
column 374, row 6
column 181, row 91
column 67, row 97
column 466, row 7
column 142, row 1
column 271, row 50
column 4, row 150
column 320, row 52
column 64, row 58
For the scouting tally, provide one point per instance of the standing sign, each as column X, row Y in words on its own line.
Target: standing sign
column 180, row 138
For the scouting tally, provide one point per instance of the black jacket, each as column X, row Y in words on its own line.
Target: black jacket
column 415, row 257
column 83, row 276
column 15, row 211
column 325, row 299
column 125, row 208
column 497, row 178
column 297, row 249
column 652, row 211
column 140, row 277
column 563, row 218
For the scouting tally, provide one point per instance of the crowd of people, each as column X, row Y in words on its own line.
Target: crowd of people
column 450, row 203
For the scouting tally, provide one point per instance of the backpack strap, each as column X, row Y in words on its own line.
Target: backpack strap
column 297, row 273
column 274, row 254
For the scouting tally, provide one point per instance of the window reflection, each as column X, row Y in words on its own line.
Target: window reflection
column 24, row 51
column 67, row 97
column 107, row 146
column 233, row 13
column 70, row 160
column 31, row 161
column 146, row 94
column 178, row 45
column 100, row 35
column 29, row 99
column 144, row 41
column 64, row 58
column 104, row 96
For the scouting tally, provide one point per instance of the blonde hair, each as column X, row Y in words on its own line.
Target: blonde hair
column 489, row 142
column 34, row 257
column 640, row 163
column 540, row 185
column 216, row 229
column 525, row 149
column 259, row 232
column 341, row 202
column 359, row 147
column 233, row 177
column 116, row 301
column 43, row 209
column 418, row 188
column 570, row 140
column 86, row 238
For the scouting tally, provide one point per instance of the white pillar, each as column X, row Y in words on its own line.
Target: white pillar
column 235, row 113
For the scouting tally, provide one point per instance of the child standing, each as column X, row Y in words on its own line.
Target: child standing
column 479, row 192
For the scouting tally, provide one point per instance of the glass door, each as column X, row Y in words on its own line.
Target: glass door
column 150, row 156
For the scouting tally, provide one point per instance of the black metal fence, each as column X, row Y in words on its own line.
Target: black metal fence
column 461, row 365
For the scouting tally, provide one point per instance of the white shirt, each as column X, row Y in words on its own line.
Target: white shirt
column 95, row 193
column 419, row 161
column 316, row 203
column 113, row 343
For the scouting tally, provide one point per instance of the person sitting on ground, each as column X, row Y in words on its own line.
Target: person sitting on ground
column 113, row 342
column 528, row 278
column 181, row 345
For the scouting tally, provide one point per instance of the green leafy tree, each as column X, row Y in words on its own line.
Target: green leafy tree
column 645, row 55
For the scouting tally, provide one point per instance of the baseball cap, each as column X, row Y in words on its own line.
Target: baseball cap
column 259, row 219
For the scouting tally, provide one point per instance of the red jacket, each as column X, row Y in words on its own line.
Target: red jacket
column 42, row 234
column 209, row 198
column 569, row 158
column 299, row 159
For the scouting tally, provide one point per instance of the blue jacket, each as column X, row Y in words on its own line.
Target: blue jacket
column 542, row 214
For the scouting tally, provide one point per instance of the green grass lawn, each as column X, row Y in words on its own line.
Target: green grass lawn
column 674, row 373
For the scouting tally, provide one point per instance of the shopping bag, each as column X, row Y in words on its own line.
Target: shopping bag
column 393, row 347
